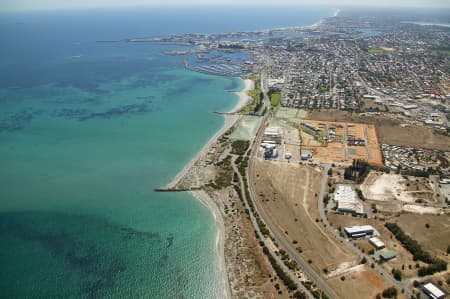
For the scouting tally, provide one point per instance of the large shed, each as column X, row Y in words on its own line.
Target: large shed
column 376, row 243
column 433, row 291
column 387, row 255
column 359, row 231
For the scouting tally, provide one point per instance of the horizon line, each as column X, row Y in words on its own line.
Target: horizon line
column 194, row 5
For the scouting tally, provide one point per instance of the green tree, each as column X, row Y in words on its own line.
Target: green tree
column 390, row 293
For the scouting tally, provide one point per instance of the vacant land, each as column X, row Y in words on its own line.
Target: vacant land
column 389, row 129
column 308, row 140
column 290, row 113
column 385, row 187
column 289, row 195
column 247, row 267
column 360, row 283
column 246, row 128
column 432, row 232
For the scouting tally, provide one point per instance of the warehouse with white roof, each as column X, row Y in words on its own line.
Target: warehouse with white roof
column 359, row 231
column 347, row 200
column 376, row 243
column 433, row 291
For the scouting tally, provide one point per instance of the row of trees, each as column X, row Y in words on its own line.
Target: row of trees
column 409, row 243
column 290, row 284
column 435, row 264
column 243, row 163
column 438, row 265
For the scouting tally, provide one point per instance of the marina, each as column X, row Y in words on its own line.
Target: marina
column 224, row 70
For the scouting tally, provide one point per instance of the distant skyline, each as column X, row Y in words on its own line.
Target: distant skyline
column 12, row 5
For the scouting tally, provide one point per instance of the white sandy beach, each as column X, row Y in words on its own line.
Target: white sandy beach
column 244, row 98
column 230, row 120
column 202, row 196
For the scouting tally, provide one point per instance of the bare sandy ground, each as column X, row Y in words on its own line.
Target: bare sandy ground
column 287, row 192
column 384, row 187
column 421, row 210
column 244, row 98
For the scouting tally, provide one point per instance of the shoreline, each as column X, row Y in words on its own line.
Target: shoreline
column 244, row 98
column 229, row 120
column 204, row 198
column 207, row 201
column 156, row 39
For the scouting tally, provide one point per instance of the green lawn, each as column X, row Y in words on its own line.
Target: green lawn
column 256, row 104
column 275, row 99
column 445, row 52
column 375, row 50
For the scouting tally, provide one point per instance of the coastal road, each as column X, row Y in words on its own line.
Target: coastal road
column 349, row 244
column 276, row 233
column 261, row 236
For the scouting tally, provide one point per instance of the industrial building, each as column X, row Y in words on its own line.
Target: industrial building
column 309, row 126
column 305, row 155
column 347, row 200
column 387, row 255
column 273, row 133
column 376, row 243
column 433, row 291
column 359, row 231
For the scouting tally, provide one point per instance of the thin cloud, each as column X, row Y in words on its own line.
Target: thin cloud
column 6, row 5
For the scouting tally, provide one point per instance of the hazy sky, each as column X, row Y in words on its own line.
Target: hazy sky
column 79, row 4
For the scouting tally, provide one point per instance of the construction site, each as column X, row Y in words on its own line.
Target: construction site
column 325, row 141
column 342, row 142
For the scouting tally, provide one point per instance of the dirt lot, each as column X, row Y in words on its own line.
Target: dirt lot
column 389, row 129
column 436, row 238
column 361, row 283
column 385, row 187
column 308, row 140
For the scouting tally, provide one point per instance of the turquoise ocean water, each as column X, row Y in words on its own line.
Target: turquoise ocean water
column 87, row 130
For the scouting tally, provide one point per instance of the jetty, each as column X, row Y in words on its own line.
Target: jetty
column 165, row 189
